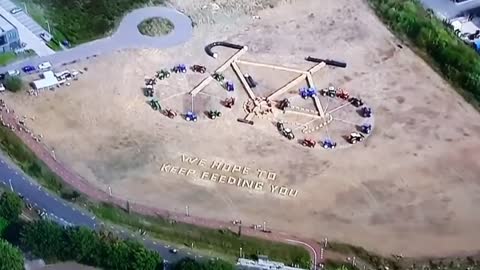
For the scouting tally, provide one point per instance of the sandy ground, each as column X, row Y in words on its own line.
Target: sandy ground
column 411, row 188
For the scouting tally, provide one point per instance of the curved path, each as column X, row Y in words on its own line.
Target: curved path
column 126, row 36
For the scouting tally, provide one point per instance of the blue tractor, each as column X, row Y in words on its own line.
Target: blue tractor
column 366, row 112
column 191, row 117
column 366, row 128
column 229, row 86
column 329, row 144
column 308, row 92
column 180, row 68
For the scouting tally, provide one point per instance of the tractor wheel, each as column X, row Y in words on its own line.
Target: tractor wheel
column 188, row 119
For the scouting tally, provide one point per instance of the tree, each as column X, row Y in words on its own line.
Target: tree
column 10, row 206
column 218, row 265
column 44, row 239
column 82, row 245
column 189, row 264
column 13, row 83
column 10, row 257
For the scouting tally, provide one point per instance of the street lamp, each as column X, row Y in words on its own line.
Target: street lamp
column 10, row 183
column 48, row 27
column 25, row 7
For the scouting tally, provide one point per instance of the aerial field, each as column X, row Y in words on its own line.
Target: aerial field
column 411, row 187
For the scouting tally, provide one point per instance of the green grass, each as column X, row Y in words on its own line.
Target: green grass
column 6, row 58
column 219, row 241
column 155, row 27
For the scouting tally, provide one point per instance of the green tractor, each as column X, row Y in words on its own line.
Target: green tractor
column 213, row 114
column 155, row 104
column 163, row 74
column 218, row 77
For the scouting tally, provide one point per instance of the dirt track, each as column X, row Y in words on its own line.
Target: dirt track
column 412, row 186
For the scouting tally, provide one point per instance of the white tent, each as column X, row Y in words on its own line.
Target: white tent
column 48, row 81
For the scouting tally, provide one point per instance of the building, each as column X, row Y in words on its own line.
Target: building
column 48, row 80
column 9, row 38
column 263, row 263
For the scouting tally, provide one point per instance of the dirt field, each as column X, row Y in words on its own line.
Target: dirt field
column 411, row 188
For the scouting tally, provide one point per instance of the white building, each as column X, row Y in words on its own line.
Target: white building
column 48, row 80
column 262, row 264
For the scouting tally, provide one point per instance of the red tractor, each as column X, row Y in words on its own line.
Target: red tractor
column 170, row 113
column 229, row 102
column 341, row 93
column 309, row 143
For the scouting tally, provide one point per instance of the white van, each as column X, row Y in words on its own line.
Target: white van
column 45, row 66
column 14, row 72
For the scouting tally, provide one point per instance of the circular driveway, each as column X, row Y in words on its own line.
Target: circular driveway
column 126, row 36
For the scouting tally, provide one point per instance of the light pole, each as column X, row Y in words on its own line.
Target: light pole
column 48, row 27
column 110, row 190
column 10, row 183
column 187, row 212
column 25, row 7
column 240, row 252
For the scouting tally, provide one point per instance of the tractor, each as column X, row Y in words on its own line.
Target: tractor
column 252, row 83
column 163, row 74
column 288, row 133
column 366, row 112
column 149, row 91
column 308, row 92
column 367, row 128
column 329, row 144
column 357, row 102
column 180, row 68
column 218, row 77
column 309, row 143
column 229, row 86
column 284, row 104
column 191, row 116
column 341, row 93
column 229, row 102
column 355, row 137
column 151, row 81
column 213, row 114
column 330, row 92
column 170, row 113
column 198, row 68
column 155, row 104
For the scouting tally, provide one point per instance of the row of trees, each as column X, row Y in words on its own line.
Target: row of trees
column 191, row 264
column 11, row 206
column 52, row 242
column 457, row 61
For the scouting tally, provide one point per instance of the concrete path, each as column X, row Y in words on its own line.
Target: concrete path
column 126, row 36
column 26, row 35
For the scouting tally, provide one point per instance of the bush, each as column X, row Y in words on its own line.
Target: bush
column 10, row 206
column 10, row 257
column 455, row 60
column 13, row 83
column 53, row 243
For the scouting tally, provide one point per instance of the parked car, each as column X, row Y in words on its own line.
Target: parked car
column 45, row 66
column 173, row 251
column 28, row 69
column 66, row 43
column 2, row 76
column 15, row 10
column 13, row 72
column 2, row 87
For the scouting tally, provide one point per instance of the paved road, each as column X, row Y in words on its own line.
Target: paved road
column 33, row 42
column 448, row 9
column 126, row 36
column 66, row 213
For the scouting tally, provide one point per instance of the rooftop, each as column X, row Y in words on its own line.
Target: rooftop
column 5, row 25
column 262, row 264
